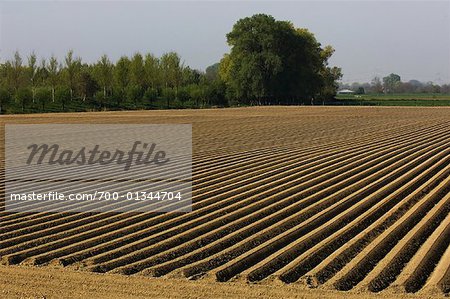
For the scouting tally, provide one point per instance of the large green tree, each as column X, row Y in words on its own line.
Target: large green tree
column 272, row 61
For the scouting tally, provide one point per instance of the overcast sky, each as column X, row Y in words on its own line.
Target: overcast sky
column 410, row 38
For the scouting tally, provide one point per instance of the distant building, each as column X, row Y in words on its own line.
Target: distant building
column 345, row 91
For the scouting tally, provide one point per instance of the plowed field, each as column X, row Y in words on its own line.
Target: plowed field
column 328, row 198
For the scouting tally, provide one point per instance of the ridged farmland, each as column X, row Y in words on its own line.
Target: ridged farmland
column 334, row 198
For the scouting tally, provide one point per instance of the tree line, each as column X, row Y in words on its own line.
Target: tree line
column 137, row 82
column 270, row 62
column 393, row 84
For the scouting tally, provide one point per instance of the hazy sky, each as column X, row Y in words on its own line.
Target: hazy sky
column 410, row 38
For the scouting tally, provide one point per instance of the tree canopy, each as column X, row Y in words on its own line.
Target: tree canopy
column 273, row 62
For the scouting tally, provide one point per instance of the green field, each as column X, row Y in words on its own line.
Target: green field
column 418, row 99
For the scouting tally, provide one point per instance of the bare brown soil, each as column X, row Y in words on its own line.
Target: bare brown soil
column 39, row 283
column 319, row 202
